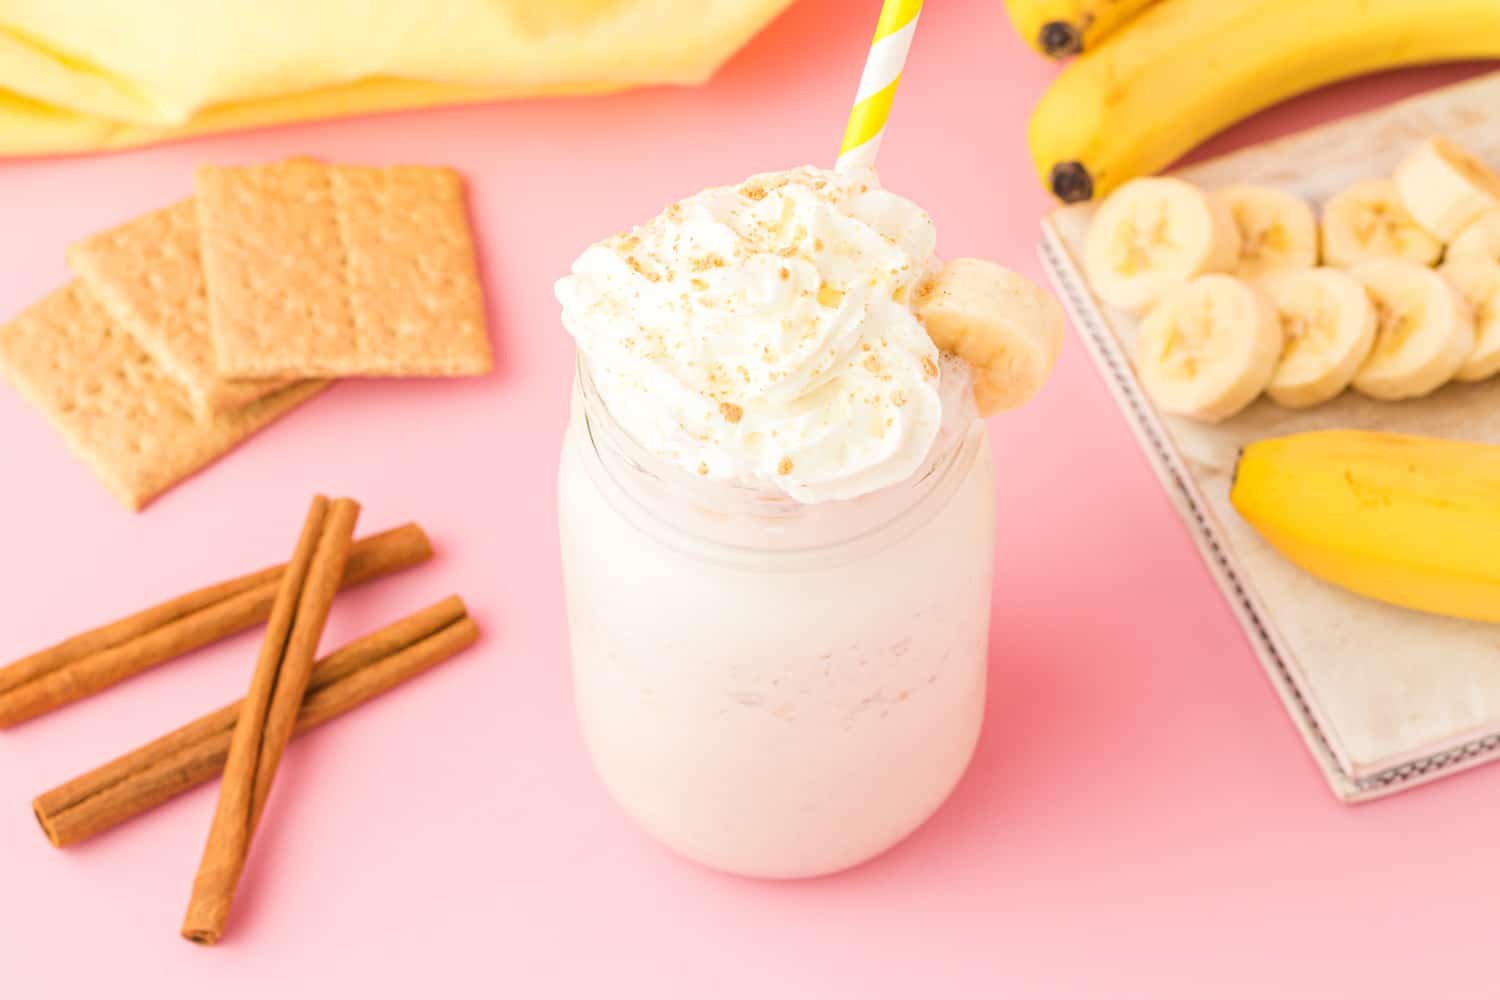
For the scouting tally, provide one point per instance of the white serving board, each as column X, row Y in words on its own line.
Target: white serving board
column 1385, row 698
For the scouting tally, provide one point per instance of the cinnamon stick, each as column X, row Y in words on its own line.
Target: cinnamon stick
column 269, row 712
column 101, row 657
column 187, row 757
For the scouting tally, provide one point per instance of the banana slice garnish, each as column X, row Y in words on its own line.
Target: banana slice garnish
column 1277, row 230
column 1369, row 220
column 1445, row 187
column 1478, row 280
column 1008, row 329
column 1480, row 238
column 1425, row 330
column 1153, row 234
column 1208, row 348
column 1328, row 328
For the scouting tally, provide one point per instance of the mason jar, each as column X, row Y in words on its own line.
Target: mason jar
column 772, row 688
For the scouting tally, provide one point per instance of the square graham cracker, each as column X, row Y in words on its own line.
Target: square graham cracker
column 118, row 409
column 317, row 270
column 148, row 276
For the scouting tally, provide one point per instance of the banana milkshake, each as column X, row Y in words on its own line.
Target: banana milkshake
column 777, row 515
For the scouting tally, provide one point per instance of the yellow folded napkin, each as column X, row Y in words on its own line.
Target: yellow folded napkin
column 101, row 74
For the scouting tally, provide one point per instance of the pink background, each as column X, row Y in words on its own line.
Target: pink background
column 1141, row 820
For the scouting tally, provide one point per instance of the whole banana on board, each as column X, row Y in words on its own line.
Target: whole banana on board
column 1413, row 521
column 1185, row 69
column 1059, row 28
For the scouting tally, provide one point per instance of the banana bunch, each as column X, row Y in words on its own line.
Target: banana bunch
column 1058, row 28
column 1236, row 304
column 1172, row 73
column 1412, row 521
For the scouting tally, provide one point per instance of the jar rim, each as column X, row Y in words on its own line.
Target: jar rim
column 639, row 475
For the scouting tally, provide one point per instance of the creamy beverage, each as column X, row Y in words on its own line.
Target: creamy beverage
column 776, row 506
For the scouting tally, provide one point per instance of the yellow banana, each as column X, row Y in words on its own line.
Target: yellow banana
column 1059, row 28
column 1409, row 520
column 1184, row 69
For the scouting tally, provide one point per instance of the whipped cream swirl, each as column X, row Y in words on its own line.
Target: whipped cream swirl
column 762, row 334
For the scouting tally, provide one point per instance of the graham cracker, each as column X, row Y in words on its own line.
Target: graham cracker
column 148, row 276
column 330, row 271
column 118, row 409
column 413, row 286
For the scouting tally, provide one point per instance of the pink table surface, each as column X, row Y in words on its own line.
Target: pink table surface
column 1141, row 819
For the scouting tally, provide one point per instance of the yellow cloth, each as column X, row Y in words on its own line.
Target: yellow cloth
column 101, row 74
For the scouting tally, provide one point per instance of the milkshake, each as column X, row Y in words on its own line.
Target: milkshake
column 777, row 519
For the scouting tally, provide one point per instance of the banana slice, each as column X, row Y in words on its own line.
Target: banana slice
column 1480, row 238
column 1152, row 234
column 1425, row 331
column 1369, row 220
column 1328, row 328
column 1478, row 279
column 1208, row 348
column 1277, row 230
column 1008, row 329
column 1445, row 187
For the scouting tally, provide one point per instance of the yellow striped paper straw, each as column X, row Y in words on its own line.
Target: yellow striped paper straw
column 877, row 86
